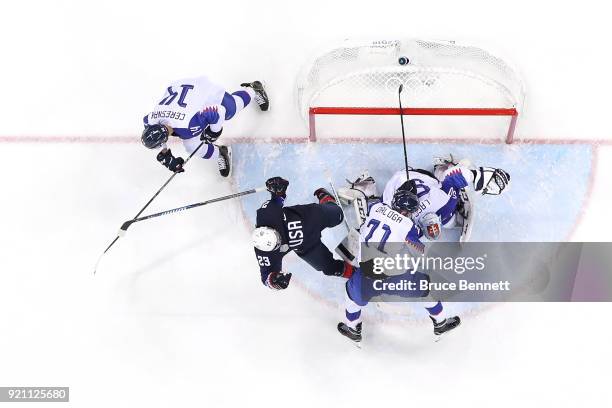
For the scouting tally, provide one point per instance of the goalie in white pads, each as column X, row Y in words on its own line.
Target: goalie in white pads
column 195, row 110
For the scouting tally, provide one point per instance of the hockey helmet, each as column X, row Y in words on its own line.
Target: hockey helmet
column 409, row 185
column 431, row 225
column 154, row 136
column 405, row 201
column 266, row 239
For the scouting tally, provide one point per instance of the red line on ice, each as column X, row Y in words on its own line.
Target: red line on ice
column 136, row 139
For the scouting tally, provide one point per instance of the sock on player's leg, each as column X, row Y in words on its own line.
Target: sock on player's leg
column 211, row 152
column 436, row 311
column 243, row 97
column 352, row 311
column 208, row 151
column 237, row 101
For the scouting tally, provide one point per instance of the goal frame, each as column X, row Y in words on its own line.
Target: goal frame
column 376, row 111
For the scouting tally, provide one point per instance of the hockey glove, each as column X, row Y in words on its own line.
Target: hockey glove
column 210, row 116
column 277, row 186
column 278, row 281
column 175, row 164
column 209, row 136
column 324, row 196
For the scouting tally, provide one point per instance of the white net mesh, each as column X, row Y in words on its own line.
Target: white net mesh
column 439, row 74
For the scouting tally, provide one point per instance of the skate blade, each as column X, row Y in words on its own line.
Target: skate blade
column 354, row 343
column 438, row 337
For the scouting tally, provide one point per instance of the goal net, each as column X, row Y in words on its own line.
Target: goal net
column 450, row 91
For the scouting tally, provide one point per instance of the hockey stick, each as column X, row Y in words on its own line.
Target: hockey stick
column 119, row 234
column 331, row 184
column 127, row 224
column 399, row 97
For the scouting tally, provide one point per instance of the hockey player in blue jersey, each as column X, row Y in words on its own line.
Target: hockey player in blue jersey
column 383, row 225
column 195, row 110
column 297, row 228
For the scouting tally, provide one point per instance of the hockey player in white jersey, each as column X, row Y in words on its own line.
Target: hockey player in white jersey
column 195, row 110
column 442, row 195
column 386, row 224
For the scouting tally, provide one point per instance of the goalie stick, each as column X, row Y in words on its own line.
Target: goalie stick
column 467, row 216
column 346, row 248
column 335, row 194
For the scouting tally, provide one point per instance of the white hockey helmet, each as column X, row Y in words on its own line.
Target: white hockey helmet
column 431, row 225
column 266, row 239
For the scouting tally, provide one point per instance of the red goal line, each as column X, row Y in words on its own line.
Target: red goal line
column 512, row 112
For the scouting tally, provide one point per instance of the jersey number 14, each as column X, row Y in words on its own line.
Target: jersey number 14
column 172, row 94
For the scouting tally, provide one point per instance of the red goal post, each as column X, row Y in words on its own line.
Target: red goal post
column 439, row 78
column 510, row 112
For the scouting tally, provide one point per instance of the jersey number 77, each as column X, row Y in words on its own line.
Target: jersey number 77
column 374, row 224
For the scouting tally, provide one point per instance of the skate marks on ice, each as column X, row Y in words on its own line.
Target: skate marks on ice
column 549, row 186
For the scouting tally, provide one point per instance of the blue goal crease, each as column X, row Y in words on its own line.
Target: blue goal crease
column 548, row 187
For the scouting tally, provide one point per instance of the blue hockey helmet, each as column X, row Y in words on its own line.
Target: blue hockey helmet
column 154, row 136
column 405, row 201
column 409, row 185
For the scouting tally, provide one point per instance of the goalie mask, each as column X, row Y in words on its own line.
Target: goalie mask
column 492, row 181
column 431, row 225
column 266, row 239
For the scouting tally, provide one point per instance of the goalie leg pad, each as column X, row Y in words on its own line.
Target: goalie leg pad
column 349, row 248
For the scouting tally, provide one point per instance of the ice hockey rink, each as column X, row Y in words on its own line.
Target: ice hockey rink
column 177, row 315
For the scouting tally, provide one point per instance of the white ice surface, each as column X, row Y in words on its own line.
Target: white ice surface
column 94, row 68
column 177, row 315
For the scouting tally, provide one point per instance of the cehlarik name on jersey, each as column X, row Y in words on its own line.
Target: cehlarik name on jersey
column 167, row 114
column 296, row 235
